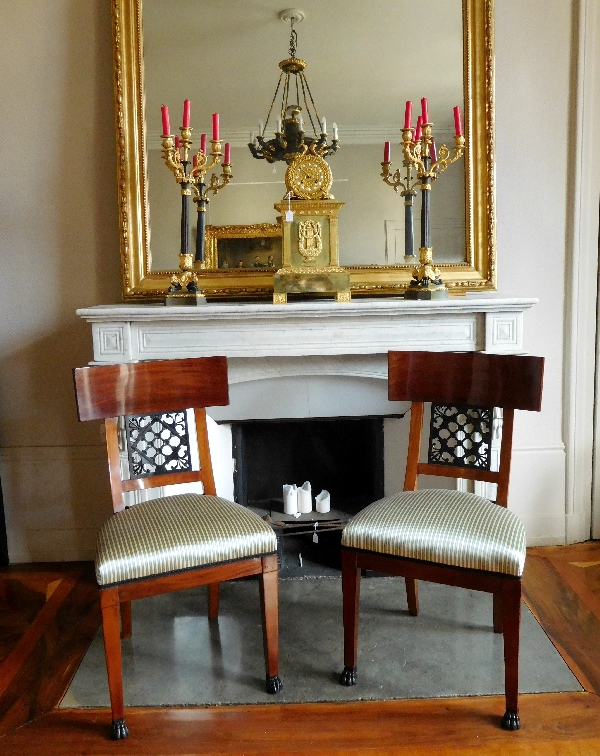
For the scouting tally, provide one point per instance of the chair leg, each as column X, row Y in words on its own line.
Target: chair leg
column 109, row 603
column 412, row 596
column 213, row 601
column 511, row 615
column 351, row 596
column 270, row 621
column 126, row 628
column 497, row 612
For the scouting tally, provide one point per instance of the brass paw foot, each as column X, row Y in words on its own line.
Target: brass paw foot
column 348, row 676
column 511, row 721
column 119, row 730
column 274, row 684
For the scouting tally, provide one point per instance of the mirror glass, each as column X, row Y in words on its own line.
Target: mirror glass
column 364, row 60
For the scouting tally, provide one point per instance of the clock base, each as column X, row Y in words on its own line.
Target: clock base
column 323, row 281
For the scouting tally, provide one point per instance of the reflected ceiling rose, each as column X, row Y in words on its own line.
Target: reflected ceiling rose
column 297, row 111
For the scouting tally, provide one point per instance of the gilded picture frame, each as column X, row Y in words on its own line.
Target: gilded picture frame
column 254, row 248
column 477, row 273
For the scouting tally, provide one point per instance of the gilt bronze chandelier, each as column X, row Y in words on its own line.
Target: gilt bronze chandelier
column 291, row 139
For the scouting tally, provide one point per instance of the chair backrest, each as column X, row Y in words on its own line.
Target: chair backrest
column 153, row 397
column 464, row 388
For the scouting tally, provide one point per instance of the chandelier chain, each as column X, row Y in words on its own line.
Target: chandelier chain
column 272, row 103
column 305, row 84
column 293, row 41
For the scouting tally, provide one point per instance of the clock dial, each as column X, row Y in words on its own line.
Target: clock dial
column 309, row 177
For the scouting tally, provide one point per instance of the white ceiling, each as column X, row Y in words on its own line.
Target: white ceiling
column 365, row 59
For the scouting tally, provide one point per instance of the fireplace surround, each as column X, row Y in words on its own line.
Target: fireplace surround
column 308, row 359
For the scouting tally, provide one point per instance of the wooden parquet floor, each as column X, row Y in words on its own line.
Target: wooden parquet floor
column 50, row 613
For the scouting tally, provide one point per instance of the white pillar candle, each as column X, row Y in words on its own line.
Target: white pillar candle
column 335, row 130
column 323, row 125
column 305, row 498
column 290, row 499
column 279, row 125
column 323, row 502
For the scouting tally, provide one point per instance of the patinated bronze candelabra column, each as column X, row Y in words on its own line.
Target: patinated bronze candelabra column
column 184, row 288
column 427, row 281
column 408, row 186
column 420, row 155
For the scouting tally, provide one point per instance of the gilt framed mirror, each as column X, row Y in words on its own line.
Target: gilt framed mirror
column 364, row 61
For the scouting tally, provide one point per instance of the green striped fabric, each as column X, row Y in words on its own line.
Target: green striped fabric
column 445, row 527
column 178, row 533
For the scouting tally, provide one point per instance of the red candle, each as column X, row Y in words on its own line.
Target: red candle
column 386, row 152
column 215, row 126
column 458, row 121
column 433, row 151
column 203, row 143
column 418, row 129
column 165, row 120
column 408, row 115
column 424, row 110
column 186, row 114
column 195, row 160
column 227, row 153
column 177, row 143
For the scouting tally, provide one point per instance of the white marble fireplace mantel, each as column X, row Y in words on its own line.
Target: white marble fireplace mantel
column 326, row 359
column 128, row 332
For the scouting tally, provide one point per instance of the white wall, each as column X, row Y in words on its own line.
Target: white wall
column 59, row 243
column 60, row 250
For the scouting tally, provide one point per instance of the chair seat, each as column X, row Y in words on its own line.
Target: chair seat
column 177, row 533
column 445, row 527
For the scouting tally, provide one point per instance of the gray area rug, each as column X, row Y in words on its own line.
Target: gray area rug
column 177, row 657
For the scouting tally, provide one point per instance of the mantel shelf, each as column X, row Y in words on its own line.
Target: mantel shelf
column 127, row 332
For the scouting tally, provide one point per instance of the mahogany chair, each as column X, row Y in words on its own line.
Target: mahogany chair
column 174, row 542
column 448, row 536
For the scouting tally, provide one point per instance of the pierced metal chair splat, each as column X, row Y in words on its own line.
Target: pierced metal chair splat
column 174, row 542
column 448, row 536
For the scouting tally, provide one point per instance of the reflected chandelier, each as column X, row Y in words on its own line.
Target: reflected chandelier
column 290, row 138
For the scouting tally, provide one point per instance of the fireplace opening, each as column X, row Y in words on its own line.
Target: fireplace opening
column 343, row 456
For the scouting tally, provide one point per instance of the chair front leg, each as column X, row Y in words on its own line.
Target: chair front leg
column 126, row 626
column 111, row 630
column 269, row 603
column 351, row 596
column 511, row 622
column 497, row 612
column 412, row 596
column 213, row 601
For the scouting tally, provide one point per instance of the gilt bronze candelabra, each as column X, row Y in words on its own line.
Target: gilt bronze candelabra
column 420, row 156
column 409, row 192
column 176, row 152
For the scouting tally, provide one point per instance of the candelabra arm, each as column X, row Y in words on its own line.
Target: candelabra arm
column 171, row 157
column 216, row 184
column 394, row 180
column 444, row 159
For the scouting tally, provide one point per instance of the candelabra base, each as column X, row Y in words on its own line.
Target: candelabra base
column 426, row 292
column 184, row 298
column 329, row 280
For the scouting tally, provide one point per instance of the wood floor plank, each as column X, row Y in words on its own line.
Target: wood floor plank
column 578, row 584
column 41, row 680
column 24, row 647
column 569, row 623
column 565, row 723
column 576, row 552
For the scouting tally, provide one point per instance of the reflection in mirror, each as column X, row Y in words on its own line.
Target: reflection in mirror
column 364, row 61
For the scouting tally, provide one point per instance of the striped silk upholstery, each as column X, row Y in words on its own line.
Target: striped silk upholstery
column 178, row 533
column 445, row 527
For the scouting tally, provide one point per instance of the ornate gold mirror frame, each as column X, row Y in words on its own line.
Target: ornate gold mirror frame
column 140, row 282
